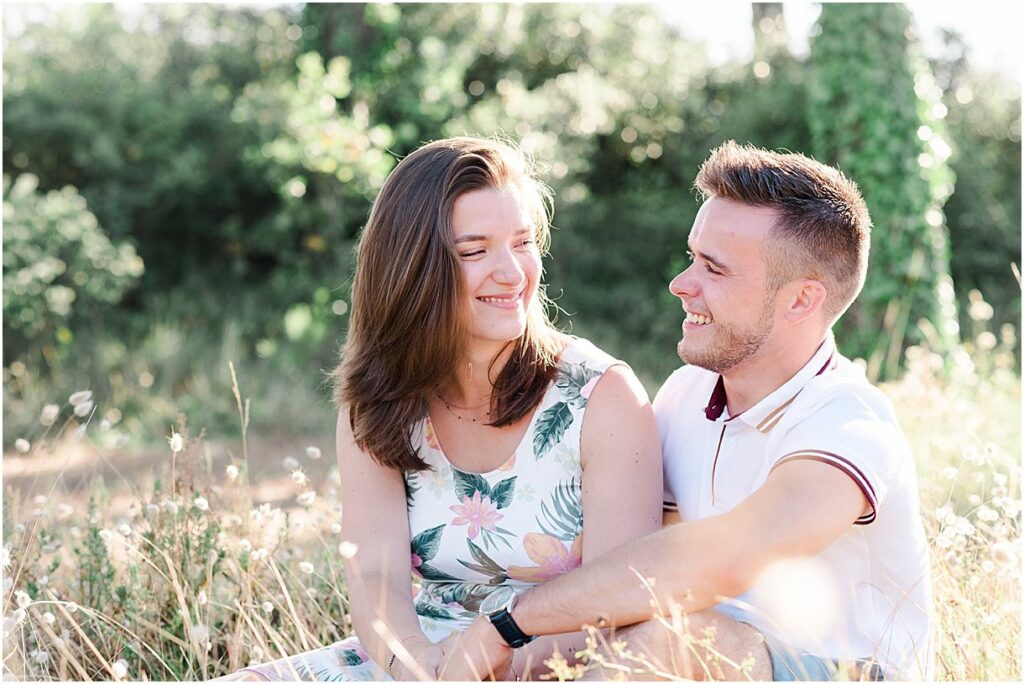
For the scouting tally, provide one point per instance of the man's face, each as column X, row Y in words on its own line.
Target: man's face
column 729, row 310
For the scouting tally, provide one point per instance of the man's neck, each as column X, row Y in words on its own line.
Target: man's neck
column 753, row 379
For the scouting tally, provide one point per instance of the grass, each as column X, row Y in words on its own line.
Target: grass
column 186, row 573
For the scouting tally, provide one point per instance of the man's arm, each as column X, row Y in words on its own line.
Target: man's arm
column 801, row 509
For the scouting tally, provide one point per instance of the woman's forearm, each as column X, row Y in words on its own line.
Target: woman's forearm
column 376, row 597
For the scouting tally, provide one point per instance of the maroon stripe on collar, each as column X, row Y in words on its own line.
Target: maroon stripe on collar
column 716, row 404
column 830, row 364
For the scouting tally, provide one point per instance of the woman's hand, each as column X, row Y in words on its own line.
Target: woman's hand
column 427, row 658
column 478, row 653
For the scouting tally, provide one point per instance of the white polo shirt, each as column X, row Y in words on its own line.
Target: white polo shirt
column 868, row 594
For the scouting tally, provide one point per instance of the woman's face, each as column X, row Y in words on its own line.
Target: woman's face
column 495, row 238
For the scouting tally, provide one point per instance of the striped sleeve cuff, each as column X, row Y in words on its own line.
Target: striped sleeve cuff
column 670, row 506
column 847, row 467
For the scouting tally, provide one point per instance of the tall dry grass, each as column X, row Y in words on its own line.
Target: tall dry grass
column 195, row 580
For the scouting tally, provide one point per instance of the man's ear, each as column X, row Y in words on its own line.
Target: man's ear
column 806, row 297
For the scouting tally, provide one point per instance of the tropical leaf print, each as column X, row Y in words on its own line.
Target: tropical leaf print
column 484, row 565
column 352, row 657
column 411, row 488
column 551, row 427
column 429, row 572
column 561, row 515
column 469, row 596
column 426, row 543
column 503, row 492
column 572, row 378
column 467, row 484
column 436, row 612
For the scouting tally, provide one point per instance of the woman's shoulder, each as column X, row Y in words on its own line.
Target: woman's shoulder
column 582, row 352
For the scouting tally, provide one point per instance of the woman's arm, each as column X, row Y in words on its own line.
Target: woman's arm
column 375, row 518
column 622, row 487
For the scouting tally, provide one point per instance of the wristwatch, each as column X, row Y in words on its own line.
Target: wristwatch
column 497, row 607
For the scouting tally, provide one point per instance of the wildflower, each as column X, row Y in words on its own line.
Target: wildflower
column 170, row 506
column 49, row 618
column 943, row 542
column 199, row 633
column 306, row 567
column 232, row 472
column 48, row 416
column 119, row 669
column 106, row 535
column 245, row 545
column 306, row 498
column 80, row 397
column 335, row 528
column 43, row 581
column 1003, row 553
column 22, row 599
column 290, row 463
column 201, row 598
column 176, row 441
column 22, row 446
column 950, row 473
column 267, row 607
column 20, row 528
column 84, row 409
column 39, row 656
column 987, row 514
column 105, row 425
column 260, row 553
column 313, row 453
column 201, row 503
column 64, row 511
column 75, row 532
column 152, row 509
column 311, row 592
column 19, row 615
column 125, row 529
column 347, row 549
column 71, row 607
column 299, row 477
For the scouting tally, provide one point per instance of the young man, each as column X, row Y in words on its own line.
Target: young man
column 800, row 551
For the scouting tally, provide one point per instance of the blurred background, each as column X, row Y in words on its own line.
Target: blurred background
column 183, row 187
column 184, row 184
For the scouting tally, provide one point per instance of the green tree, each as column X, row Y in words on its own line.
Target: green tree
column 879, row 124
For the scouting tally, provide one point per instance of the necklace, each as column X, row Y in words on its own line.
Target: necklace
column 451, row 408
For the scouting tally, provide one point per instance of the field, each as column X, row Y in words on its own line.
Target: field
column 183, row 563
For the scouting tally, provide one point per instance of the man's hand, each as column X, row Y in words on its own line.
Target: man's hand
column 479, row 653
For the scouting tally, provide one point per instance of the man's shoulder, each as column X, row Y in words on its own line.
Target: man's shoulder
column 847, row 385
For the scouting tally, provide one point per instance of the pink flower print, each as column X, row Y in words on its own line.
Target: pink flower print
column 551, row 556
column 431, row 436
column 589, row 387
column 509, row 464
column 416, row 561
column 479, row 514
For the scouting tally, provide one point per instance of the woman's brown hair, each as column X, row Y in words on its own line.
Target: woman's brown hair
column 407, row 328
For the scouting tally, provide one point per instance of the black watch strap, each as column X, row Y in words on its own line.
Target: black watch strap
column 508, row 629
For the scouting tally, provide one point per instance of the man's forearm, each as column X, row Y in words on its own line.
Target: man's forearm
column 690, row 563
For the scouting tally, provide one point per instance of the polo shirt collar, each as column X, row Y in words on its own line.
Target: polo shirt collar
column 765, row 414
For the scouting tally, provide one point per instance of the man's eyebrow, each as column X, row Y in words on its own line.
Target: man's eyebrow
column 708, row 258
column 483, row 238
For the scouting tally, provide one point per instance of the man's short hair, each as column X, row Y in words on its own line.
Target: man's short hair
column 822, row 229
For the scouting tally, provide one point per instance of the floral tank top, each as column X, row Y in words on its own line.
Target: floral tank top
column 518, row 525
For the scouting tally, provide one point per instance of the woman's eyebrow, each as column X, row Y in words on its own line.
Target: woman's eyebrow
column 483, row 238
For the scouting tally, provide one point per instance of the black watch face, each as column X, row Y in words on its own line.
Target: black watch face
column 496, row 600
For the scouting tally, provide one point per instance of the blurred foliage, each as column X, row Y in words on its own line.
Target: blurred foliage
column 878, row 123
column 238, row 150
column 984, row 211
column 61, row 272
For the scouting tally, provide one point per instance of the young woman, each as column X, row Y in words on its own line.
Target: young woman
column 477, row 446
